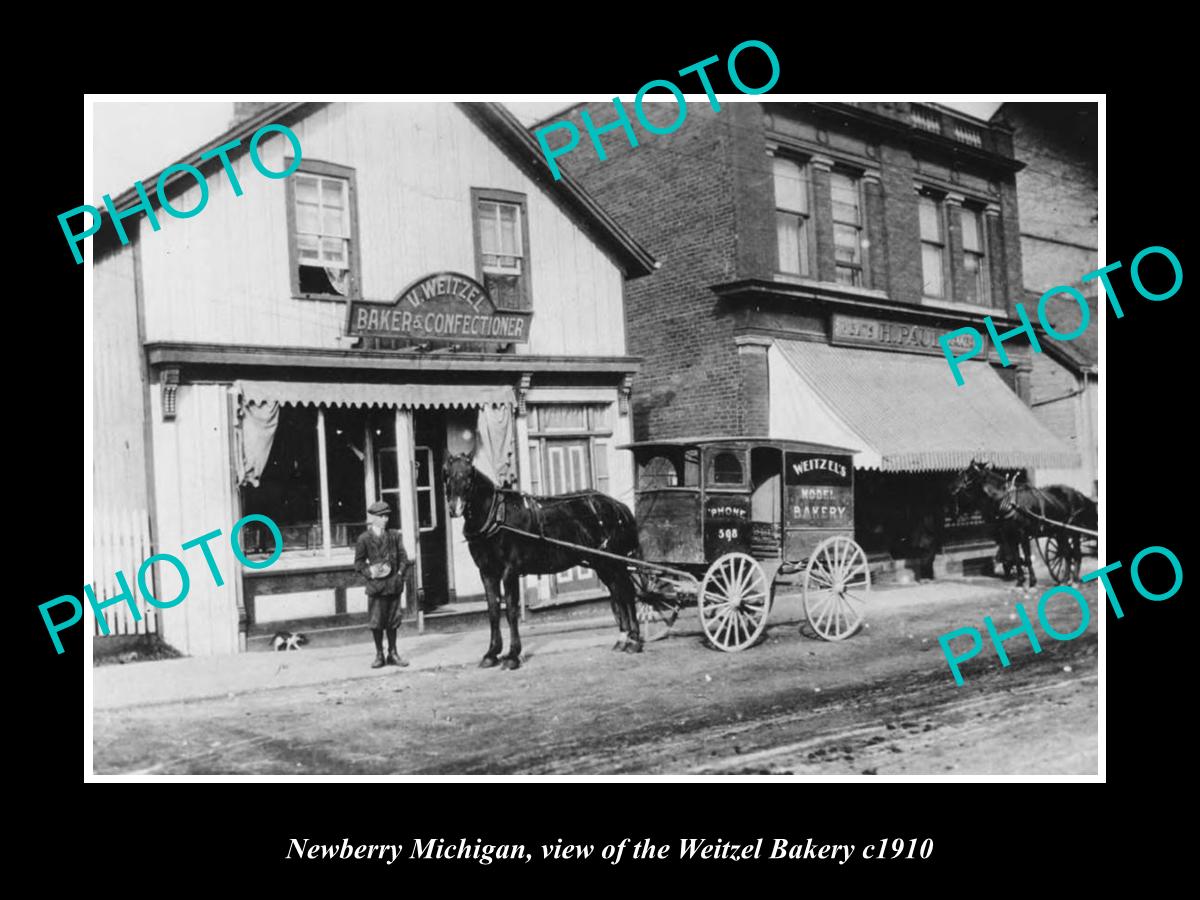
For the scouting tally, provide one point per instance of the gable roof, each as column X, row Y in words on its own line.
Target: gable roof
column 500, row 125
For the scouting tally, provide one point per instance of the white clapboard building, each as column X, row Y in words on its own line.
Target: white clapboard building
column 417, row 286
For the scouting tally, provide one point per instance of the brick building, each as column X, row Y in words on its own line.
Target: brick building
column 1059, row 206
column 811, row 255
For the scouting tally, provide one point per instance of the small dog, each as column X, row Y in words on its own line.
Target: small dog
column 287, row 640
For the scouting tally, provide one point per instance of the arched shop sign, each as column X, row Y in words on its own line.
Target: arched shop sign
column 446, row 306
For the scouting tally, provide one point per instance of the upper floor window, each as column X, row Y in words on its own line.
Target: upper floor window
column 974, row 257
column 847, row 228
column 933, row 245
column 793, row 225
column 501, row 243
column 323, row 240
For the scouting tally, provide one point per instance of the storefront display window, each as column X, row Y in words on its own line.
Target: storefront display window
column 315, row 483
column 289, row 489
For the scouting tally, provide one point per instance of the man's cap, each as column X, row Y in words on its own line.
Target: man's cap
column 379, row 508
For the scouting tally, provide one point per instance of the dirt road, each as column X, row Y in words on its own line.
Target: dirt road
column 883, row 702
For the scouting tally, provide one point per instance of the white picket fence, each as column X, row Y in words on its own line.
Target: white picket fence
column 122, row 543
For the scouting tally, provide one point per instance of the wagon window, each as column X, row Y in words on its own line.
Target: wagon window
column 691, row 468
column 659, row 472
column 725, row 468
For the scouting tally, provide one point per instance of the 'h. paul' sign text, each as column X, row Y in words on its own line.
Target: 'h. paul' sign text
column 446, row 306
column 880, row 335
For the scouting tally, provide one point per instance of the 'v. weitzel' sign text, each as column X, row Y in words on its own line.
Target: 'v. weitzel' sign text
column 446, row 306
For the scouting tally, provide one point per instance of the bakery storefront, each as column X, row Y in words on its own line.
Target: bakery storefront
column 417, row 287
column 875, row 379
column 311, row 448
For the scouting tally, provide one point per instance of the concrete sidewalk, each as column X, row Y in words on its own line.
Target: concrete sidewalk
column 198, row 678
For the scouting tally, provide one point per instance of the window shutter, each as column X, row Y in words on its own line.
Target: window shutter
column 600, row 465
column 535, row 467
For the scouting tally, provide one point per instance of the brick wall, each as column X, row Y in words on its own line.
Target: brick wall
column 701, row 201
column 1051, row 379
column 675, row 194
column 1058, row 196
column 902, row 225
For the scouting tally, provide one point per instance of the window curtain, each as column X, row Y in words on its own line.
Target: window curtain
column 254, row 436
column 339, row 279
column 496, row 454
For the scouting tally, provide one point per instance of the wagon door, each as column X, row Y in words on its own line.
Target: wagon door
column 727, row 524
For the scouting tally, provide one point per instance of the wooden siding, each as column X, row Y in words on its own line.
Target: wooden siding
column 118, row 445
column 223, row 275
column 193, row 487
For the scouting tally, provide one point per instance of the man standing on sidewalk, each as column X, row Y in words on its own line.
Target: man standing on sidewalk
column 379, row 557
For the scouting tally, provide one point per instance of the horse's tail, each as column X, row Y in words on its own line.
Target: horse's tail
column 627, row 530
column 1089, row 516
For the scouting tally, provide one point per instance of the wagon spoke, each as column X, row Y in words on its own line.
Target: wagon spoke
column 745, row 577
column 849, row 559
column 848, row 614
column 825, row 609
column 730, row 624
column 834, row 612
column 821, row 577
column 716, row 626
column 756, row 600
column 719, row 592
column 748, row 626
column 835, row 620
column 738, row 627
column 737, row 580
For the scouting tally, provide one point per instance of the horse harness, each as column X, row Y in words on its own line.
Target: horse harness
column 1009, row 508
column 499, row 513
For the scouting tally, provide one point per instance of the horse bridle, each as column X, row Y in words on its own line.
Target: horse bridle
column 494, row 518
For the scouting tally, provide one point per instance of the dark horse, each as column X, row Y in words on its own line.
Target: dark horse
column 1022, row 512
column 967, row 490
column 586, row 519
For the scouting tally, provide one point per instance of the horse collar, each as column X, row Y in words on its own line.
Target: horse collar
column 491, row 522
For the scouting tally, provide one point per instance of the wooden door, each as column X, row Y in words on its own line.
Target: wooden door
column 568, row 469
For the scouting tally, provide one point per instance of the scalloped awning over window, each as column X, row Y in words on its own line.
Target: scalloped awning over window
column 905, row 410
column 404, row 396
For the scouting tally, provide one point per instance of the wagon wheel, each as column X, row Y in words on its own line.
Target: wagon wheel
column 735, row 597
column 655, row 614
column 1055, row 556
column 837, row 583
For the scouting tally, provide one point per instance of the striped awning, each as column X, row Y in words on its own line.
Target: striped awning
column 403, row 396
column 905, row 410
